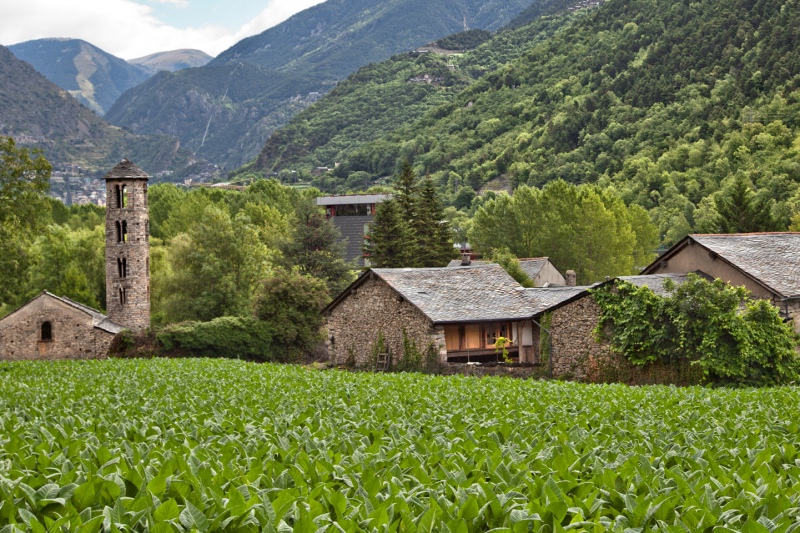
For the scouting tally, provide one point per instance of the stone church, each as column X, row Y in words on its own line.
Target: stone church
column 51, row 327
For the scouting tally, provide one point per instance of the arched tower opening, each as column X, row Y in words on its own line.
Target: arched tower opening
column 127, row 247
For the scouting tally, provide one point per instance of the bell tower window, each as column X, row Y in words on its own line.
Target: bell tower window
column 124, row 196
column 124, row 231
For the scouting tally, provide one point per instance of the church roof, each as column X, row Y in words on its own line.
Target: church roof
column 99, row 320
column 126, row 170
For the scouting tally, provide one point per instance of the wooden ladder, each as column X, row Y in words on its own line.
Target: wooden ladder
column 382, row 362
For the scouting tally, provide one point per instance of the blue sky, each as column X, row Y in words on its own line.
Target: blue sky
column 232, row 15
column 135, row 28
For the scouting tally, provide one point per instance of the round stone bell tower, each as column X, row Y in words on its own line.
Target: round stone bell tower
column 127, row 247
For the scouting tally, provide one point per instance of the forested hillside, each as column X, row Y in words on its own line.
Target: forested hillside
column 94, row 77
column 39, row 114
column 382, row 97
column 668, row 103
column 306, row 54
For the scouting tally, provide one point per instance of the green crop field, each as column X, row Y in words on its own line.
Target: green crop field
column 220, row 445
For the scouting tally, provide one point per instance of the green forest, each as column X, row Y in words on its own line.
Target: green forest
column 675, row 107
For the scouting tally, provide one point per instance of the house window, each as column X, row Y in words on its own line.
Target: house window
column 47, row 331
column 462, row 338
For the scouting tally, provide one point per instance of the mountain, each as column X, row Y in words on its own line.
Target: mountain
column 94, row 77
column 294, row 62
column 171, row 61
column 381, row 97
column 667, row 103
column 39, row 114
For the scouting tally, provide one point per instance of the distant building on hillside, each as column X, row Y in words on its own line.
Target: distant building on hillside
column 352, row 214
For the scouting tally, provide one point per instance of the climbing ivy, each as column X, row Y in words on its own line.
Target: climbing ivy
column 735, row 339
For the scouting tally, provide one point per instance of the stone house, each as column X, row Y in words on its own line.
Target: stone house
column 459, row 313
column 541, row 270
column 49, row 327
column 568, row 315
column 767, row 264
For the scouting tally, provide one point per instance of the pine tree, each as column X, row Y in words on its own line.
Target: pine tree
column 742, row 211
column 433, row 234
column 406, row 192
column 315, row 248
column 390, row 243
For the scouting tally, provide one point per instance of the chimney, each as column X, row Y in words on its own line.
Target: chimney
column 572, row 278
column 466, row 259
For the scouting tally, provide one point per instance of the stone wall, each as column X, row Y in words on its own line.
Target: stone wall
column 573, row 343
column 73, row 335
column 792, row 309
column 132, row 311
column 578, row 356
column 514, row 371
column 354, row 325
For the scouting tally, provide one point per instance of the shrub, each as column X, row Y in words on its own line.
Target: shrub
column 734, row 339
column 229, row 336
column 290, row 303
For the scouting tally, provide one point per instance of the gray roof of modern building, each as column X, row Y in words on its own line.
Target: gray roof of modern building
column 481, row 293
column 126, row 170
column 771, row 259
column 352, row 199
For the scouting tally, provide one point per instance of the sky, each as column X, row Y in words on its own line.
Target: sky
column 135, row 28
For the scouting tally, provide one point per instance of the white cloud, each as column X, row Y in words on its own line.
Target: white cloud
column 276, row 12
column 126, row 28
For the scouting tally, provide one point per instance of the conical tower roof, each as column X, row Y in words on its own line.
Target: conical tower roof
column 126, row 170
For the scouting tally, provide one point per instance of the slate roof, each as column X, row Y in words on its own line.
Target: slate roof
column 655, row 282
column 533, row 266
column 126, row 170
column 480, row 293
column 457, row 263
column 99, row 320
column 543, row 299
column 771, row 258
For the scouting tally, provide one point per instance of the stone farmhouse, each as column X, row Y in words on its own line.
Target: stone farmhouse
column 50, row 327
column 460, row 311
column 768, row 264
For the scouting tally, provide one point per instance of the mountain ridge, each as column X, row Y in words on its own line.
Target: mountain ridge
column 311, row 51
column 94, row 77
column 39, row 114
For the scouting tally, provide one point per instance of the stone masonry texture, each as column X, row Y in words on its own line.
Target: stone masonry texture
column 132, row 310
column 73, row 335
column 376, row 308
